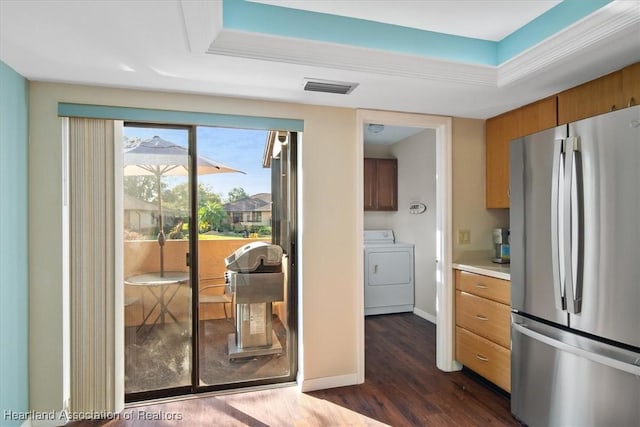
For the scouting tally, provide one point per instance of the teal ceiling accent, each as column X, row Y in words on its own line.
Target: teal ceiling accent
column 262, row 18
column 546, row 25
column 280, row 21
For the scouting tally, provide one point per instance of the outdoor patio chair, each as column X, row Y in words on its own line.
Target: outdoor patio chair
column 223, row 297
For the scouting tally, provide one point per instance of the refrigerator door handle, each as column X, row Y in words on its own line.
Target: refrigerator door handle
column 573, row 219
column 601, row 353
column 557, row 224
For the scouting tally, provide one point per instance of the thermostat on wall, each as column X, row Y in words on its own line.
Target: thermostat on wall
column 416, row 208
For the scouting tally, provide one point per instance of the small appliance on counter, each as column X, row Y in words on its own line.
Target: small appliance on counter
column 501, row 246
column 254, row 273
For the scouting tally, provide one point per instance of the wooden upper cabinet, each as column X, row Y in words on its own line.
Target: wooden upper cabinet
column 499, row 132
column 370, row 189
column 380, row 184
column 592, row 98
column 620, row 89
column 538, row 116
column 631, row 85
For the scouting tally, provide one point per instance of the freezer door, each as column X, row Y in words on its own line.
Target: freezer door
column 536, row 168
column 610, row 286
column 561, row 379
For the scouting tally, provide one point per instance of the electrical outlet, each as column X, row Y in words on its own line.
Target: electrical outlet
column 464, row 237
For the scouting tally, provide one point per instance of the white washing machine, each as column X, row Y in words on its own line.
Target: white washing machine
column 388, row 273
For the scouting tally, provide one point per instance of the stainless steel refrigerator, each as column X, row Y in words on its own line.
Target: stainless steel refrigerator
column 575, row 273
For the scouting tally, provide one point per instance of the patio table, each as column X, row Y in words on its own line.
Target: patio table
column 159, row 286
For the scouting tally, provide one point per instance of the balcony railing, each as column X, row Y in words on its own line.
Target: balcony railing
column 143, row 256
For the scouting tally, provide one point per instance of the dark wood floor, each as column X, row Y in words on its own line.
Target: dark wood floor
column 403, row 387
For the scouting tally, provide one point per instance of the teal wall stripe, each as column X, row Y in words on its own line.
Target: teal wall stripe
column 546, row 25
column 243, row 15
column 178, row 117
column 14, row 247
column 262, row 18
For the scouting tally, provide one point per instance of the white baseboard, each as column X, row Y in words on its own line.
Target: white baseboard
column 327, row 382
column 426, row 316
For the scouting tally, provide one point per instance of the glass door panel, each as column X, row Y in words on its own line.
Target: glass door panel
column 244, row 330
column 157, row 291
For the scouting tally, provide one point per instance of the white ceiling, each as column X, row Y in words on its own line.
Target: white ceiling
column 486, row 20
column 181, row 46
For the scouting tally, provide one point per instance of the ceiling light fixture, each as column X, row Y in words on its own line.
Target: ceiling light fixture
column 375, row 127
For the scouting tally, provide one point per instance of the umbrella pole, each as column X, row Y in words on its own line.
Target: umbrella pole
column 161, row 238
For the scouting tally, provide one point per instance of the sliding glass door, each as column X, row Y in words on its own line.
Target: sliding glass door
column 194, row 198
column 157, row 285
column 244, row 298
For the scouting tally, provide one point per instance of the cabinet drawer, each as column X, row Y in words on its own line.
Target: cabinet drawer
column 484, row 317
column 484, row 357
column 484, row 286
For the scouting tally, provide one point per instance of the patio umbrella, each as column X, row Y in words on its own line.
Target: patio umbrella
column 158, row 157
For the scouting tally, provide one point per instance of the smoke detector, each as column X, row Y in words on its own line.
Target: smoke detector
column 328, row 86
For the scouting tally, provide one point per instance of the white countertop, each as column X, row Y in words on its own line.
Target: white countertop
column 479, row 262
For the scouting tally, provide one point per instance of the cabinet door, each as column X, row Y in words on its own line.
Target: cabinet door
column 387, row 181
column 538, row 116
column 631, row 85
column 592, row 98
column 499, row 131
column 370, row 179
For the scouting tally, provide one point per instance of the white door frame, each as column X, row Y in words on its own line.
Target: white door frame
column 445, row 357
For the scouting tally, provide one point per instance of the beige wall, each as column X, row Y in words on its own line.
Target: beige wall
column 328, row 288
column 468, row 188
column 327, row 271
column 417, row 182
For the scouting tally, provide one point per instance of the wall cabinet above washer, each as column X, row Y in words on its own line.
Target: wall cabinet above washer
column 380, row 184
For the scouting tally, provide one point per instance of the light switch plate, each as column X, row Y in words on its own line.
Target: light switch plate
column 464, row 237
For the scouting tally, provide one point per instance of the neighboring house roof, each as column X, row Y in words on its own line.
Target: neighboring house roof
column 134, row 204
column 260, row 202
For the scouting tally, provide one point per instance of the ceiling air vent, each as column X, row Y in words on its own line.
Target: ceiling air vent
column 328, row 86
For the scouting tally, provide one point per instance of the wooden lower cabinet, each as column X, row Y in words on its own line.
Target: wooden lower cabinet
column 483, row 286
column 484, row 317
column 483, row 326
column 485, row 357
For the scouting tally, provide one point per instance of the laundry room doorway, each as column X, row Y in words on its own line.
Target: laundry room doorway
column 418, row 214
